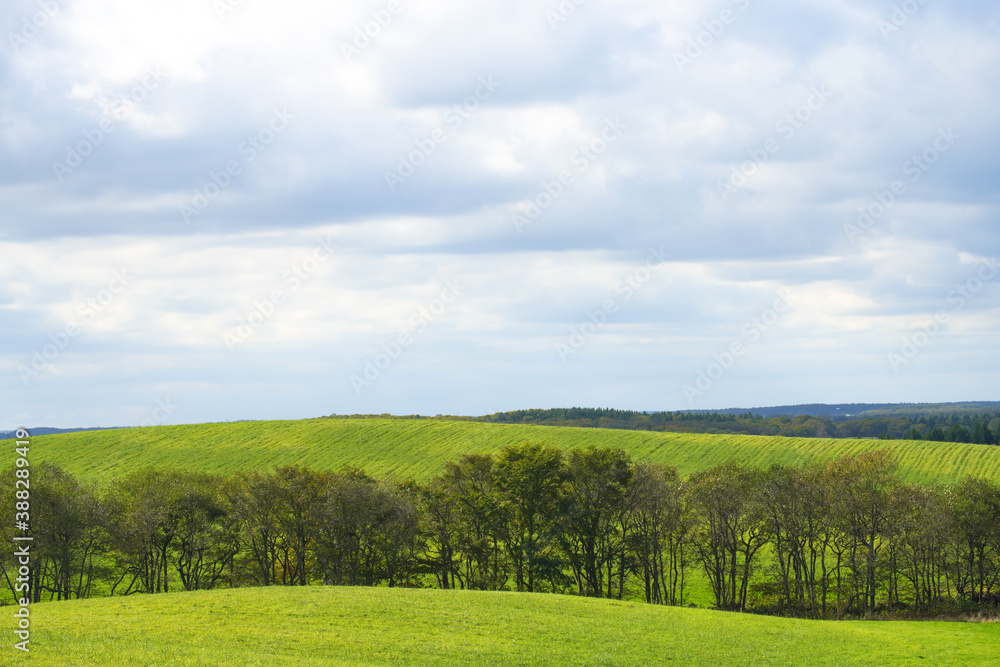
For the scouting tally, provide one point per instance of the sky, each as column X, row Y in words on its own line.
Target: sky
column 216, row 210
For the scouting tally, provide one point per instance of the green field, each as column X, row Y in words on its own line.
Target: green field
column 381, row 626
column 375, row 626
column 417, row 448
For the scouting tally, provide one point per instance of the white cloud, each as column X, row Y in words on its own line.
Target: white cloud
column 355, row 118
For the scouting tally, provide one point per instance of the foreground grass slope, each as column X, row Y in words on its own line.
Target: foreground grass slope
column 382, row 626
column 417, row 448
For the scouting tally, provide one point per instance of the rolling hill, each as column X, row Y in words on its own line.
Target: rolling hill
column 415, row 448
column 324, row 625
column 391, row 626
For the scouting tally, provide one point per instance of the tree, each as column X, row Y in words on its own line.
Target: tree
column 730, row 530
column 398, row 539
column 299, row 491
column 205, row 529
column 974, row 509
column 661, row 525
column 816, row 531
column 923, row 531
column 936, row 434
column 982, row 435
column 365, row 530
column 256, row 506
column 592, row 536
column 141, row 532
column 440, row 527
column 865, row 486
column 959, row 433
column 483, row 521
column 67, row 527
column 530, row 480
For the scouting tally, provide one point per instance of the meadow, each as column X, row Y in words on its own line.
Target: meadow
column 382, row 626
column 411, row 448
column 314, row 625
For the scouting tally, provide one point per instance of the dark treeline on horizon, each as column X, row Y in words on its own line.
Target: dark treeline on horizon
column 823, row 541
column 981, row 428
column 976, row 427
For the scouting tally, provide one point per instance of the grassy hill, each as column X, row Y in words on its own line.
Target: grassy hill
column 418, row 448
column 382, row 626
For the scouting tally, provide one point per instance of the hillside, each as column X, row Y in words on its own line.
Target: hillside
column 44, row 430
column 417, row 448
column 383, row 626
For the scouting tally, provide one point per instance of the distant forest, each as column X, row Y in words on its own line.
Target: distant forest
column 937, row 422
column 941, row 423
column 972, row 426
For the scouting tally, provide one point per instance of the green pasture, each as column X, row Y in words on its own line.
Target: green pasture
column 384, row 626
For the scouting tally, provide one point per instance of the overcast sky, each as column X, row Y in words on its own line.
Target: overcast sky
column 221, row 209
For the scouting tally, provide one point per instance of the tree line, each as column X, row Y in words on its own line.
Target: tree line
column 847, row 537
column 979, row 428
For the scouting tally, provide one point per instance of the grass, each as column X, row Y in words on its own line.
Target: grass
column 418, row 448
column 381, row 626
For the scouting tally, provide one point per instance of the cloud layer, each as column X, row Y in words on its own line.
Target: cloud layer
column 242, row 208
